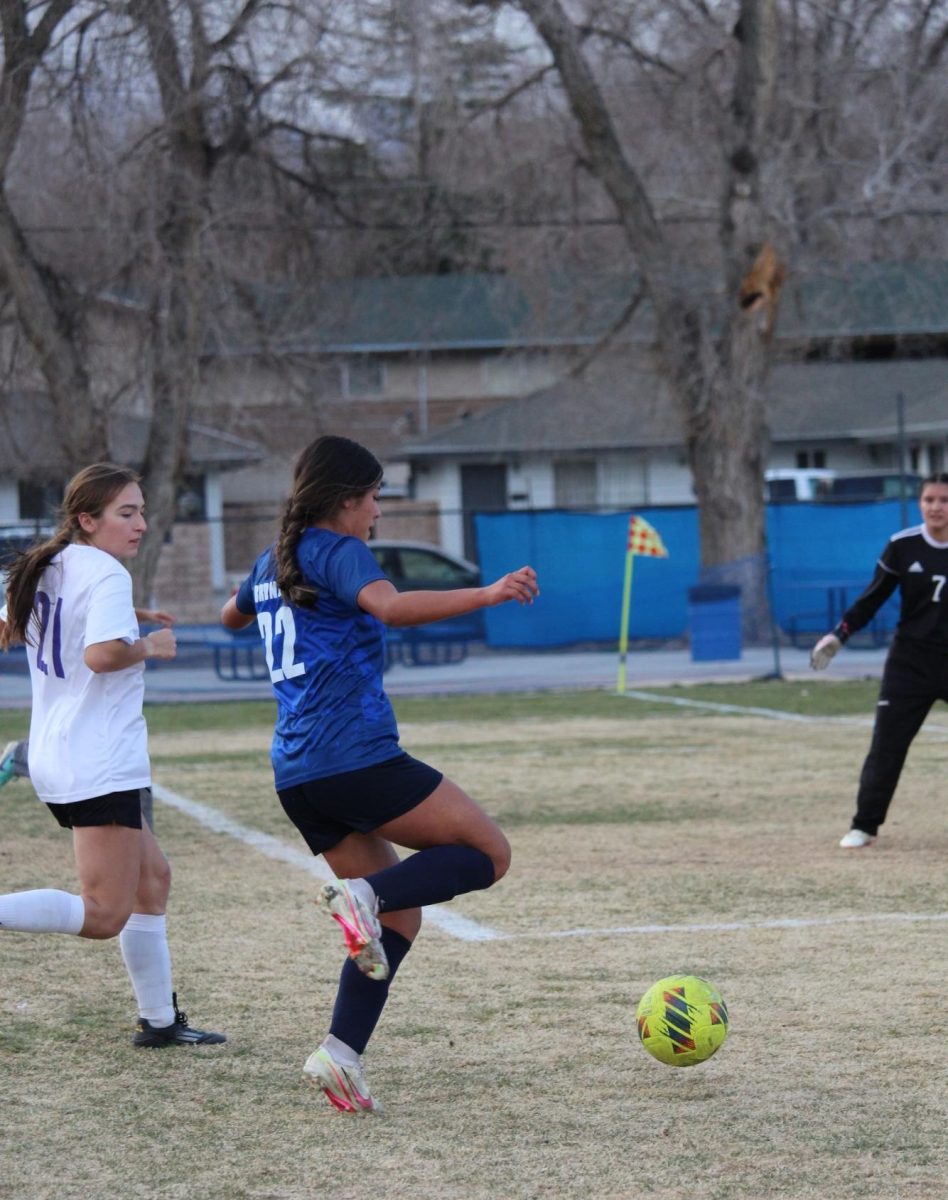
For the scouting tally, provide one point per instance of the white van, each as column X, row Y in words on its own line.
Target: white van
column 784, row 485
column 874, row 485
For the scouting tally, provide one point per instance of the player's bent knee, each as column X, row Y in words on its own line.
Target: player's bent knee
column 160, row 877
column 500, row 857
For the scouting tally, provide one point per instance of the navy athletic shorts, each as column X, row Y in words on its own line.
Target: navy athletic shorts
column 327, row 810
column 117, row 808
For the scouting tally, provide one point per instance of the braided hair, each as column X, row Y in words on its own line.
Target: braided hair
column 330, row 470
column 88, row 493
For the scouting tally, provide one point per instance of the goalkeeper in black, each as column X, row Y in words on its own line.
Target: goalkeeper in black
column 916, row 668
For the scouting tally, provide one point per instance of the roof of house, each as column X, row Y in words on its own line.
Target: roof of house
column 30, row 440
column 416, row 313
column 631, row 408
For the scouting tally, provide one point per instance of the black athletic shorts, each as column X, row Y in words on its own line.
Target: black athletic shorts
column 117, row 808
column 327, row 810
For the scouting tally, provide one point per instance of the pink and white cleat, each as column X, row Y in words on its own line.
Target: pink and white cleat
column 360, row 927
column 343, row 1084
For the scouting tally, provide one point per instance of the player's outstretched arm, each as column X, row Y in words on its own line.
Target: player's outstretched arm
column 824, row 651
column 419, row 608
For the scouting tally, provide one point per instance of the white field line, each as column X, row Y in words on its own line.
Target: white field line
column 211, row 818
column 732, row 926
column 471, row 931
column 773, row 714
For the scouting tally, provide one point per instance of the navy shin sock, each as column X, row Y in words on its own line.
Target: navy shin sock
column 360, row 1000
column 431, row 876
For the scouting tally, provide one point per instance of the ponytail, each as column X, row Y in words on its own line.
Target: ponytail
column 22, row 580
column 290, row 579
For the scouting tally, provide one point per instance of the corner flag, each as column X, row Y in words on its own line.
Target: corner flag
column 642, row 540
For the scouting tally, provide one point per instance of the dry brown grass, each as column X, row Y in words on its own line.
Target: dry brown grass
column 510, row 1067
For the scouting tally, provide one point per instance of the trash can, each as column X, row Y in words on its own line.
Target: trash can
column 714, row 618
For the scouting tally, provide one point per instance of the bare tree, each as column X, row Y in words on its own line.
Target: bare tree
column 720, row 164
column 50, row 311
column 215, row 154
column 185, row 61
column 157, row 98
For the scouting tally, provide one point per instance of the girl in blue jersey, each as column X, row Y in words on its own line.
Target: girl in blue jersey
column 321, row 604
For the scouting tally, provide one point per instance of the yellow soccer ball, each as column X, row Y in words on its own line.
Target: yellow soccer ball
column 682, row 1020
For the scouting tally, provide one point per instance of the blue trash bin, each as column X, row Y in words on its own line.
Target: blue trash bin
column 714, row 618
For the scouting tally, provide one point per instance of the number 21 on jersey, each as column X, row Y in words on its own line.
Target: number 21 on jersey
column 278, row 631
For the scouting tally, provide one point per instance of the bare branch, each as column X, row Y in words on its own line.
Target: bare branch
column 227, row 40
column 635, row 51
column 582, row 363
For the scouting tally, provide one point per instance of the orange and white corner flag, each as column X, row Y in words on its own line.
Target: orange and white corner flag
column 643, row 539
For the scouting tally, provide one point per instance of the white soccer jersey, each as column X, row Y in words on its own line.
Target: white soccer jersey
column 87, row 732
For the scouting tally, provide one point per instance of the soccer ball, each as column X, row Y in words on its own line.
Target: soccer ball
column 682, row 1020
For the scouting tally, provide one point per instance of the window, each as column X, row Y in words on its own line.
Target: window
column 39, row 501
column 574, row 484
column 363, row 376
column 190, row 502
column 431, row 570
column 411, row 567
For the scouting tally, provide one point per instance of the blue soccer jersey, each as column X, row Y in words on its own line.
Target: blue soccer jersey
column 325, row 662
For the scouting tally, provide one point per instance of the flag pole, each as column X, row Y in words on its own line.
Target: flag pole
column 624, row 626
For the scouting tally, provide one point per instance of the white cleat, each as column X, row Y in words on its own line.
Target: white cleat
column 343, row 1084
column 856, row 839
column 360, row 927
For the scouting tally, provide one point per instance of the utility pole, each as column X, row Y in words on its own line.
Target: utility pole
column 903, row 458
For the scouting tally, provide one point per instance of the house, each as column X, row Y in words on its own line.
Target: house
column 609, row 437
column 463, row 386
column 612, row 440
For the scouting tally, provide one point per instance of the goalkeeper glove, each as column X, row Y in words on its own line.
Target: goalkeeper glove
column 824, row 651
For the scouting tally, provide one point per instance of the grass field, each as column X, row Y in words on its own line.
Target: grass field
column 649, row 837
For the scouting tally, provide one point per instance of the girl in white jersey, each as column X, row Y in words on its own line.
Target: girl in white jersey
column 70, row 601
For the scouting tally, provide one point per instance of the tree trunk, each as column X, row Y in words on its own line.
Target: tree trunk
column 178, row 322
column 716, row 354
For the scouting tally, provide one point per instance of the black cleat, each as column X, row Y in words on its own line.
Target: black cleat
column 178, row 1033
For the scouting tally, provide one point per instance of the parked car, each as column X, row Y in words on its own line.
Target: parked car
column 420, row 566
column 413, row 566
column 788, row 484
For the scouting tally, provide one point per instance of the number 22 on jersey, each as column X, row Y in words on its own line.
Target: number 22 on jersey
column 278, row 631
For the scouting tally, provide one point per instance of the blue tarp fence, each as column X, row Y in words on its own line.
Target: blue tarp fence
column 821, row 557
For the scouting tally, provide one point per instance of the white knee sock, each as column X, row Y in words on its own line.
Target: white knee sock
column 144, row 944
column 45, row 910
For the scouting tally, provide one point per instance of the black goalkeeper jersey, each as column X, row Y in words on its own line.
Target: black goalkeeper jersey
column 916, row 563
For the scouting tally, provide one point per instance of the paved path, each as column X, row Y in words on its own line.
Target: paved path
column 507, row 671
